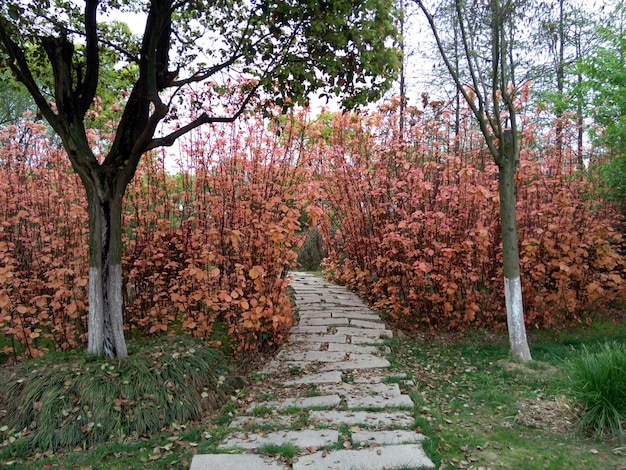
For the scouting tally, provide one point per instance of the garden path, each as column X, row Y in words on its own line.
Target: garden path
column 328, row 397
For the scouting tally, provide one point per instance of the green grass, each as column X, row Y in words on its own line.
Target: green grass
column 261, row 411
column 481, row 409
column 287, row 450
column 598, row 383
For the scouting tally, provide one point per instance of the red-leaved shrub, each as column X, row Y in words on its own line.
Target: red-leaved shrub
column 413, row 224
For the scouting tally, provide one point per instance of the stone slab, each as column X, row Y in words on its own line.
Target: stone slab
column 273, row 367
column 274, row 420
column 379, row 458
column 378, row 419
column 379, row 325
column 323, row 401
column 362, row 390
column 399, row 436
column 324, row 321
column 358, row 361
column 301, row 439
column 318, row 338
column 358, row 314
column 233, row 462
column 368, row 378
column 353, row 348
column 379, row 401
column 313, row 313
column 309, row 329
column 333, row 376
column 367, row 332
column 314, row 356
column 366, row 340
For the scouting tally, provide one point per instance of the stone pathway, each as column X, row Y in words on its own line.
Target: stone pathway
column 327, row 396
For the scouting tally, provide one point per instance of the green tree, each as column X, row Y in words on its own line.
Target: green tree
column 604, row 85
column 243, row 52
column 14, row 100
column 485, row 32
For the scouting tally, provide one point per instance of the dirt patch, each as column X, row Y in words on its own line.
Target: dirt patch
column 537, row 368
column 558, row 414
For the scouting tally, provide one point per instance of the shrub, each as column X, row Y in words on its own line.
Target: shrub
column 63, row 401
column 211, row 245
column 413, row 225
column 598, row 383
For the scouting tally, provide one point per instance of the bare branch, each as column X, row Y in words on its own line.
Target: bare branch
column 204, row 118
column 478, row 111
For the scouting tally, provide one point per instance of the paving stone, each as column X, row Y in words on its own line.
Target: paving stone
column 368, row 333
column 353, row 348
column 358, row 314
column 309, row 329
column 379, row 401
column 318, row 338
column 324, row 401
column 379, row 458
column 325, row 321
column 333, row 376
column 274, row 420
column 372, row 377
column 378, row 419
column 351, row 304
column 273, row 367
column 233, row 462
column 315, row 356
column 301, row 439
column 361, row 390
column 398, row 436
column 365, row 340
column 368, row 324
column 358, row 361
column 349, row 352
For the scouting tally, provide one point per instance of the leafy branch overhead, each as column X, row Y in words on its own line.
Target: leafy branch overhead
column 284, row 51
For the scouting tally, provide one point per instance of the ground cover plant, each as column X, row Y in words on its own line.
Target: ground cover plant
column 598, row 379
column 484, row 411
column 70, row 401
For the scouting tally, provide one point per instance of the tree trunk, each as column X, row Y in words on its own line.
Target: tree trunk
column 106, row 329
column 510, row 255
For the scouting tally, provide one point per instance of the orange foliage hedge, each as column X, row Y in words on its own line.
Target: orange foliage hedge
column 413, row 225
column 212, row 243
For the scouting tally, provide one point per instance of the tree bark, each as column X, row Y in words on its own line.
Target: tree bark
column 106, row 328
column 510, row 255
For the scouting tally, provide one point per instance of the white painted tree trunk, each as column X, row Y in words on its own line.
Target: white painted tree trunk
column 106, row 325
column 510, row 257
column 515, row 320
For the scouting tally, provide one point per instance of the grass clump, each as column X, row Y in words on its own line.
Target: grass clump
column 598, row 383
column 287, row 450
column 65, row 401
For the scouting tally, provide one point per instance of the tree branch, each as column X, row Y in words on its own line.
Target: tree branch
column 87, row 89
column 19, row 66
column 204, row 118
column 479, row 112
